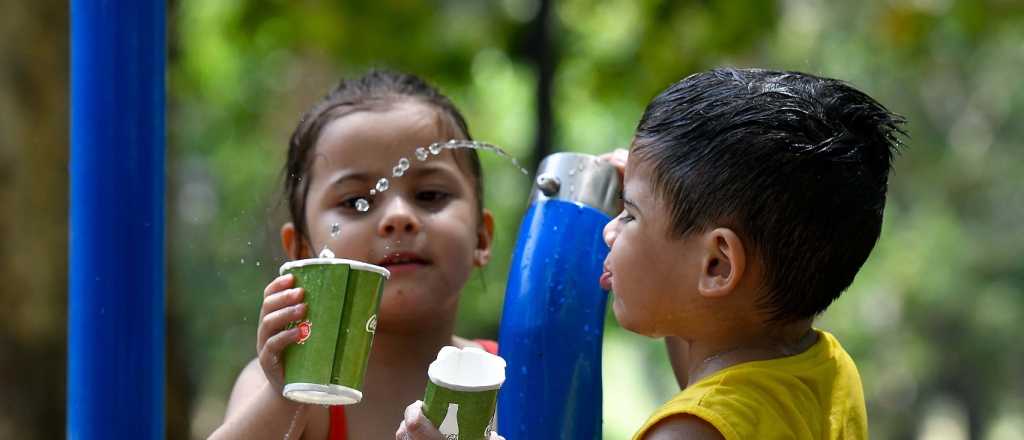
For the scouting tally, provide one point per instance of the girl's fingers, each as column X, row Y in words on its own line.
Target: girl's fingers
column 272, row 323
column 280, row 283
column 280, row 300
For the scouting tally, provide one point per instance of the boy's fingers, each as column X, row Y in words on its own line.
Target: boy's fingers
column 417, row 426
column 270, row 353
column 280, row 283
column 617, row 158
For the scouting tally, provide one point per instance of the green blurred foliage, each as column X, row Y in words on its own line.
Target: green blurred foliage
column 932, row 319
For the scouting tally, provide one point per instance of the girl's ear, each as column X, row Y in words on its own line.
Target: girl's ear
column 484, row 239
column 292, row 243
column 724, row 263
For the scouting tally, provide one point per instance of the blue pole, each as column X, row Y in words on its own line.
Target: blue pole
column 553, row 320
column 116, row 291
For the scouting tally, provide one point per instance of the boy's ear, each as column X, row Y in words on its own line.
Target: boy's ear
column 292, row 243
column 484, row 239
column 724, row 263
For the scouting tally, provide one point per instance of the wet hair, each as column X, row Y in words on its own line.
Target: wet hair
column 796, row 164
column 375, row 90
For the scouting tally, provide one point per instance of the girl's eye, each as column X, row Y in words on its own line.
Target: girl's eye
column 432, row 196
column 352, row 203
column 625, row 217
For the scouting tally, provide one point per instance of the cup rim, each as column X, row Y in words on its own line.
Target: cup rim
column 358, row 265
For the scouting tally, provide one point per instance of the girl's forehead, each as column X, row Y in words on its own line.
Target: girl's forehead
column 379, row 137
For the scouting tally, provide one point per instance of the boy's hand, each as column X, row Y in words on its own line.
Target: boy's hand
column 617, row 158
column 417, row 427
column 282, row 304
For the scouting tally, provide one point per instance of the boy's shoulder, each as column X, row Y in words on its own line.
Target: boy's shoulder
column 808, row 395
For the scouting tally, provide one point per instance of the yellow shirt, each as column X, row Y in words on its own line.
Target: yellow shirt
column 816, row 394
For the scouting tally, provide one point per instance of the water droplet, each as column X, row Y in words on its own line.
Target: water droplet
column 335, row 228
column 580, row 167
column 326, row 253
column 397, row 171
column 572, row 172
column 572, row 188
column 243, row 261
column 403, row 163
column 257, row 264
column 421, row 154
column 373, row 192
column 383, row 185
column 435, row 148
column 362, row 205
column 250, row 243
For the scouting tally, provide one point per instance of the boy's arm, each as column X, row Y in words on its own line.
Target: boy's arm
column 683, row 426
column 678, row 356
column 256, row 411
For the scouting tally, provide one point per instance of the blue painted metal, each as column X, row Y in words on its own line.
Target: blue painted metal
column 552, row 325
column 116, row 291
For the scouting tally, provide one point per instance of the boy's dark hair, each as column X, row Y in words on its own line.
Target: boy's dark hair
column 375, row 90
column 796, row 164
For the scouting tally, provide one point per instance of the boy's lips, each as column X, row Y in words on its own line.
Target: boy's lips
column 606, row 278
column 402, row 262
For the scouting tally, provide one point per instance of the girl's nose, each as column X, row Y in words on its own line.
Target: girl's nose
column 611, row 230
column 399, row 218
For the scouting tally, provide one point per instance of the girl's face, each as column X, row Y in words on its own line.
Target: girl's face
column 426, row 228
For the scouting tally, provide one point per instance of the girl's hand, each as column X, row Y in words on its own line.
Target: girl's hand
column 417, row 427
column 282, row 304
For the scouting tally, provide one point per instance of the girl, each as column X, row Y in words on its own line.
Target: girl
column 429, row 229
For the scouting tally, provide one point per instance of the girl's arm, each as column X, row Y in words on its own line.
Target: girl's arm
column 256, row 410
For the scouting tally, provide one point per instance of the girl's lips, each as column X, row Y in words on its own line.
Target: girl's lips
column 399, row 263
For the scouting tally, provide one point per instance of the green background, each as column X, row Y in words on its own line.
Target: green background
column 933, row 320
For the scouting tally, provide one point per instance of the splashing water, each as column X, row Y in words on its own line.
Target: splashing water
column 326, row 252
column 422, row 154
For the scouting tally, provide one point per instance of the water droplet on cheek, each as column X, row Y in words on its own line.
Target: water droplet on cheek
column 362, row 205
column 383, row 185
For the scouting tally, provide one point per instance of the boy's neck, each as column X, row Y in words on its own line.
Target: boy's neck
column 741, row 344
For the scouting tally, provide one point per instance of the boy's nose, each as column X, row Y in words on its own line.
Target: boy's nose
column 611, row 230
column 399, row 217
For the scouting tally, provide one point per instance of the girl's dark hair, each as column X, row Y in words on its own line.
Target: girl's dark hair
column 373, row 91
column 798, row 165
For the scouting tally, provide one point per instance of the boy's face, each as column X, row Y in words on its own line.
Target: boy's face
column 652, row 276
column 425, row 228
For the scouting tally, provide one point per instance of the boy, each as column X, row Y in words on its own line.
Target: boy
column 752, row 198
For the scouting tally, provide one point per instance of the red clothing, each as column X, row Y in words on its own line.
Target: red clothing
column 339, row 423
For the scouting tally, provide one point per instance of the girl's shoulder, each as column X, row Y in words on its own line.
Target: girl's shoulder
column 483, row 344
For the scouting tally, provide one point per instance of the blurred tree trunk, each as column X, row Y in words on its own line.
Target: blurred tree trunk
column 34, row 146
column 34, row 192
column 541, row 53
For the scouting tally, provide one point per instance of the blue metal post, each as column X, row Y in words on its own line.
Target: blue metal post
column 553, row 321
column 116, row 291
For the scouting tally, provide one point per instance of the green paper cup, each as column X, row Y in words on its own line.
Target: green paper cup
column 462, row 392
column 327, row 365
